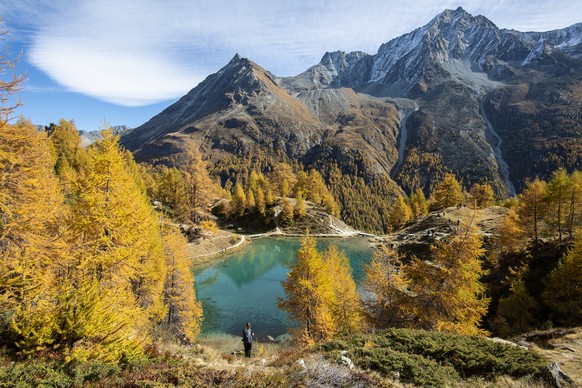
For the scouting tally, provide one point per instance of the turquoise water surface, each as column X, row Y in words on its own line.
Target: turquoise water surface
column 246, row 285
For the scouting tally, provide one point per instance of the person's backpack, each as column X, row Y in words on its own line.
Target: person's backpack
column 247, row 336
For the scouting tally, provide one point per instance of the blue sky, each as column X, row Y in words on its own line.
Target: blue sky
column 123, row 61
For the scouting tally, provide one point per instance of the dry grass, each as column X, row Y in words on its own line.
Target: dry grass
column 503, row 382
column 561, row 345
column 209, row 249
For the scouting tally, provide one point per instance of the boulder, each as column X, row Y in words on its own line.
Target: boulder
column 554, row 377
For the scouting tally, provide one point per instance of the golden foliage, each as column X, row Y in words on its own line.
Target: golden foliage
column 184, row 315
column 321, row 294
column 31, row 211
column 299, row 210
column 447, row 193
column 347, row 308
column 87, row 277
column 209, row 226
column 400, row 213
column 482, row 195
column 239, row 199
column 444, row 294
column 286, row 215
column 531, row 209
column 309, row 292
column 388, row 289
column 418, row 204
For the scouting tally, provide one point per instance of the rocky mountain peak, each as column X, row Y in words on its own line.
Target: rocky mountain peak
column 448, row 96
column 339, row 60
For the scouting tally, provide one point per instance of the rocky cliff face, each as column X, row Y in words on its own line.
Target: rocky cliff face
column 458, row 94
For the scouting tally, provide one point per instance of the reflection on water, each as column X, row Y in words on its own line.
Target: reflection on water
column 246, row 286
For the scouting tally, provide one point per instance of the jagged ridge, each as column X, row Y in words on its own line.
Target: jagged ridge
column 455, row 72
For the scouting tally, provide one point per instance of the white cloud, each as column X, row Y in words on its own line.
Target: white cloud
column 121, row 77
column 136, row 52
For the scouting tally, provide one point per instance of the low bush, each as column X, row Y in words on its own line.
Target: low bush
column 410, row 368
column 34, row 373
column 416, row 355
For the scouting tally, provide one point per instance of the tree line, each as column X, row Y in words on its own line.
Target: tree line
column 89, row 270
column 453, row 290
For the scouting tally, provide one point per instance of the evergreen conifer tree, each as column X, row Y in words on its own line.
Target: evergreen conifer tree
column 120, row 255
column 563, row 290
column 531, row 210
column 519, row 306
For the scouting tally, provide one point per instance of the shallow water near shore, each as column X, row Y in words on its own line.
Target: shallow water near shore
column 246, row 285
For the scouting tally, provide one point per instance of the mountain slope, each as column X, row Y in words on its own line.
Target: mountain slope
column 456, row 95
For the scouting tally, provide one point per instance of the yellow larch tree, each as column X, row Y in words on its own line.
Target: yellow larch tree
column 448, row 193
column 400, row 213
column 121, row 251
column 184, row 316
column 347, row 306
column 418, row 203
column 387, row 288
column 32, row 246
column 299, row 210
column 284, row 188
column 261, row 203
column 286, row 214
column 282, row 179
column 445, row 294
column 67, row 142
column 517, row 308
column 555, row 201
column 531, row 210
column 251, row 202
column 574, row 203
column 309, row 295
column 200, row 188
column 253, row 182
column 511, row 236
column 269, row 197
column 482, row 195
column 239, row 200
column 171, row 191
column 319, row 194
column 302, row 184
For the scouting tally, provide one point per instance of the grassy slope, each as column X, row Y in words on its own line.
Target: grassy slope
column 390, row 358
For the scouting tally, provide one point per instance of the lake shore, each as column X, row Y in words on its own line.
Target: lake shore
column 209, row 249
column 215, row 247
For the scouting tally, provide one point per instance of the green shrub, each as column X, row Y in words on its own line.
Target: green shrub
column 33, row 374
column 54, row 373
column 416, row 353
column 411, row 368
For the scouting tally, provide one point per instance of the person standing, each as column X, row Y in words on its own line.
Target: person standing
column 247, row 335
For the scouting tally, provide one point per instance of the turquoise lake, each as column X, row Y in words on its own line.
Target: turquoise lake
column 246, row 285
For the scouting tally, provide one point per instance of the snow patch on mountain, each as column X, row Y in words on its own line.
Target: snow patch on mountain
column 468, row 47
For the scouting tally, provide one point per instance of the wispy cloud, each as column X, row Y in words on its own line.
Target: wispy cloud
column 43, row 89
column 137, row 52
